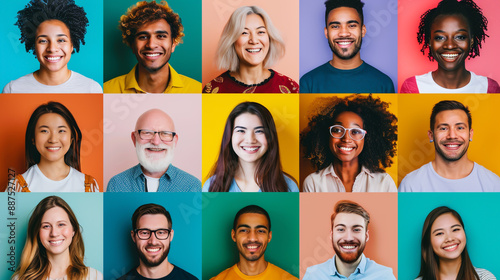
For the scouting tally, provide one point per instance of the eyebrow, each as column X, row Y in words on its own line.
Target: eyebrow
column 46, row 36
column 242, row 127
column 461, row 29
column 455, row 225
column 343, row 124
column 147, row 33
column 448, row 124
column 247, row 226
column 354, row 226
column 348, row 22
column 49, row 127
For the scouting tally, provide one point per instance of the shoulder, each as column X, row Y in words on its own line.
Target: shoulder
column 83, row 82
column 94, row 274
column 120, row 180
column 278, row 273
column 485, row 173
column 378, row 271
column 319, row 271
column 384, row 182
column 207, row 183
column 484, row 274
column 323, row 68
column 131, row 275
column 182, row 84
column 213, row 85
column 312, row 180
column 187, row 181
column 409, row 86
column 115, row 85
column 22, row 82
column 412, row 180
column 286, row 84
column 372, row 71
column 292, row 186
column 493, row 86
column 180, row 273
column 223, row 274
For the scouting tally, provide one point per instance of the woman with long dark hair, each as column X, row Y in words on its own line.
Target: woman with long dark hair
column 249, row 156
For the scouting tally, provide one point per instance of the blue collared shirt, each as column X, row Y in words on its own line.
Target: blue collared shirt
column 366, row 270
column 174, row 180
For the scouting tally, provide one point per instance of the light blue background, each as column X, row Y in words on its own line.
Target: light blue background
column 479, row 212
column 16, row 62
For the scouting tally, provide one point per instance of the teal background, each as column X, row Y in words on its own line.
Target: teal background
column 17, row 62
column 219, row 250
column 479, row 212
column 87, row 208
column 186, row 59
column 119, row 250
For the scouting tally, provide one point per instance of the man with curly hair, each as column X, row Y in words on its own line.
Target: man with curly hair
column 451, row 170
column 153, row 31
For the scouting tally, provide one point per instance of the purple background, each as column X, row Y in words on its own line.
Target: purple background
column 379, row 47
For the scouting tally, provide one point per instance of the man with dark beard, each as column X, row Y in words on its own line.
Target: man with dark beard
column 152, row 233
column 451, row 170
column 153, row 31
column 154, row 139
column 346, row 72
column 251, row 232
column 349, row 235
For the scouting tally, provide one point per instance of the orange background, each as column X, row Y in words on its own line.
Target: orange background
column 15, row 111
column 284, row 15
column 315, row 243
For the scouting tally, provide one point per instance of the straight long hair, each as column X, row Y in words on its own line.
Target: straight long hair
column 269, row 174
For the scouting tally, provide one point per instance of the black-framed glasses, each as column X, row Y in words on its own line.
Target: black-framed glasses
column 338, row 131
column 145, row 233
column 165, row 136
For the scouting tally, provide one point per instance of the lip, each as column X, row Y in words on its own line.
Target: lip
column 450, row 57
column 155, row 149
column 452, row 145
column 451, row 248
column 250, row 149
column 54, row 149
column 348, row 247
column 52, row 58
column 56, row 242
column 252, row 247
column 152, row 55
column 344, row 43
column 152, row 249
column 253, row 50
column 346, row 150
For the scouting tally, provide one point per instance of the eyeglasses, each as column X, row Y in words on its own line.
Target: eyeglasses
column 338, row 131
column 145, row 234
column 146, row 134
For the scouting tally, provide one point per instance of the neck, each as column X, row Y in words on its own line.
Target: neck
column 347, row 172
column 51, row 78
column 245, row 176
column 58, row 264
column 155, row 272
column 346, row 64
column 55, row 171
column 451, row 79
column 448, row 269
column 153, row 82
column 251, row 75
column 453, row 169
column 153, row 174
column 252, row 268
column 346, row 269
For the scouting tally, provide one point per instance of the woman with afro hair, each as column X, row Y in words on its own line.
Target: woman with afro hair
column 52, row 30
column 451, row 33
column 350, row 142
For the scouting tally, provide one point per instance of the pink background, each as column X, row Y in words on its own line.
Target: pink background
column 412, row 62
column 285, row 17
column 120, row 115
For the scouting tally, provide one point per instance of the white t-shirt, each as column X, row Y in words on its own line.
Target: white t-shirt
column 152, row 183
column 76, row 83
column 477, row 84
column 94, row 274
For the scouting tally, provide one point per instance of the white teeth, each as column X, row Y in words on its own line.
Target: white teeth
column 56, row 242
column 54, row 149
column 53, row 58
column 250, row 149
column 449, row 56
column 346, row 148
column 343, row 43
column 152, row 54
column 253, row 50
column 451, row 146
column 451, row 247
column 153, row 250
column 156, row 149
column 349, row 247
column 252, row 247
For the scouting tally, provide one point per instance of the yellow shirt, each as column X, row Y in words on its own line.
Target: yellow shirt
column 128, row 84
column 271, row 272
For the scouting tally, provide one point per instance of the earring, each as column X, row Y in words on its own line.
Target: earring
column 470, row 140
column 430, row 141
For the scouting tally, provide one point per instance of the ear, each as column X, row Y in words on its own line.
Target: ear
column 174, row 44
column 270, row 236
column 430, row 135
column 326, row 33
column 132, row 234
column 367, row 235
column 471, row 133
column 171, row 235
column 233, row 235
column 132, row 135
column 176, row 138
column 363, row 31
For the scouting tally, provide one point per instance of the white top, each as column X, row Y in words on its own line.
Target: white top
column 326, row 180
column 152, row 183
column 477, row 84
column 92, row 275
column 76, row 83
column 37, row 182
column 481, row 272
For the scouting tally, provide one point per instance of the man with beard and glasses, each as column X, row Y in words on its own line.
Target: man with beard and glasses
column 346, row 72
column 153, row 31
column 152, row 233
column 349, row 235
column 451, row 170
column 154, row 139
column 251, row 232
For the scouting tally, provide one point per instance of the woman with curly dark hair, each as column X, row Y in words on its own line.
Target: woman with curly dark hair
column 350, row 142
column 451, row 33
column 52, row 30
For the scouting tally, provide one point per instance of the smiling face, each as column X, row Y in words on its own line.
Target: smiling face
column 345, row 149
column 249, row 139
column 450, row 41
column 153, row 45
column 53, row 45
column 56, row 232
column 451, row 135
column 252, row 46
column 251, row 236
column 152, row 252
column 448, row 237
column 52, row 137
column 349, row 236
column 344, row 32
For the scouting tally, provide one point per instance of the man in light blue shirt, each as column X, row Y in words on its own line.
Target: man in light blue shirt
column 349, row 235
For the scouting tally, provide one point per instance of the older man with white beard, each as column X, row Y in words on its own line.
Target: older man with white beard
column 154, row 139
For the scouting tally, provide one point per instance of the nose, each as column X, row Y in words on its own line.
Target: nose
column 250, row 137
column 449, row 43
column 54, row 231
column 156, row 139
column 53, row 138
column 152, row 239
column 251, row 38
column 452, row 133
column 344, row 31
column 252, row 236
column 52, row 46
column 151, row 43
column 346, row 137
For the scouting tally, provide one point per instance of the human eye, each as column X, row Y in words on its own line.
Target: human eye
column 61, row 40
column 461, row 127
column 161, row 36
column 439, row 38
column 259, row 131
column 353, row 25
column 45, row 226
column 340, row 229
column 146, row 132
column 142, row 37
column 42, row 41
column 239, row 130
column 334, row 26
column 461, row 37
column 356, row 131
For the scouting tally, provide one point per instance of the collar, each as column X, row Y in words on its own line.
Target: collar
column 360, row 269
column 137, row 172
column 132, row 84
column 330, row 171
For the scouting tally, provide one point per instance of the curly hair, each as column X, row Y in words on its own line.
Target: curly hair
column 380, row 124
column 467, row 8
column 143, row 12
column 38, row 11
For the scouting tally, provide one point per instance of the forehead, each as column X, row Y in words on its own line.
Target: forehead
column 154, row 26
column 454, row 22
column 153, row 221
column 247, row 120
column 252, row 220
column 155, row 120
column 349, row 118
column 254, row 20
column 451, row 117
column 349, row 220
column 55, row 214
column 53, row 25
column 51, row 119
column 343, row 14
column 444, row 221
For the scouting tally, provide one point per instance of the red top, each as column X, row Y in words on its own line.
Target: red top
column 276, row 83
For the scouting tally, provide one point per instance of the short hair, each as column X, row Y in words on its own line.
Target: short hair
column 32, row 155
column 334, row 4
column 446, row 105
column 350, row 207
column 255, row 209
column 467, row 8
column 150, row 209
column 143, row 12
column 38, row 11
column 226, row 57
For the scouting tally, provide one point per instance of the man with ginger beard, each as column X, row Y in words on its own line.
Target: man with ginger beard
column 349, row 235
column 154, row 139
column 152, row 234
column 252, row 232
